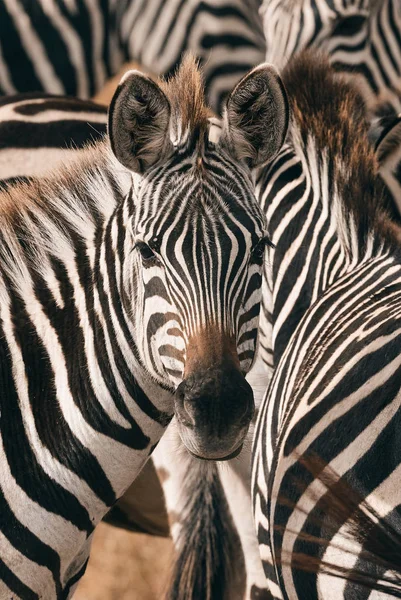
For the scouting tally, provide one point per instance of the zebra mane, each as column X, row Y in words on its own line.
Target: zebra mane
column 40, row 217
column 330, row 116
column 185, row 92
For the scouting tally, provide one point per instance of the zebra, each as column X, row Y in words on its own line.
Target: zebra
column 55, row 127
column 247, row 580
column 39, row 132
column 73, row 48
column 362, row 37
column 325, row 467
column 100, row 342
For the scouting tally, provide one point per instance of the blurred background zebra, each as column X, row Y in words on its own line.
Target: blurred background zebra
column 73, row 47
column 362, row 38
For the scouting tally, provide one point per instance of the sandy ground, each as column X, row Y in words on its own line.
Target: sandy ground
column 125, row 566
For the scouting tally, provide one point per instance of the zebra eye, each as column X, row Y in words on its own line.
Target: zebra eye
column 146, row 252
column 258, row 250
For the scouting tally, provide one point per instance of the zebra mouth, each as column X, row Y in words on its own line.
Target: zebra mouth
column 228, row 457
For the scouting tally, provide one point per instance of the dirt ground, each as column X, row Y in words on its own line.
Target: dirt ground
column 125, row 566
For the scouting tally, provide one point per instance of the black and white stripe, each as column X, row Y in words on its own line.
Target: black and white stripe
column 326, row 451
column 362, row 38
column 58, row 47
column 89, row 368
column 39, row 132
column 227, row 36
column 72, row 48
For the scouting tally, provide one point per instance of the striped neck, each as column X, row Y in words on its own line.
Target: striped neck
column 317, row 241
column 325, row 204
column 70, row 338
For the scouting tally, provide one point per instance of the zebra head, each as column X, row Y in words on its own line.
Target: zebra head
column 195, row 241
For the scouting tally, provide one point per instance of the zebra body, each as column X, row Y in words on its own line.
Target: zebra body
column 80, row 442
column 326, row 460
column 49, row 131
column 73, row 48
column 39, row 132
column 362, row 38
column 82, row 332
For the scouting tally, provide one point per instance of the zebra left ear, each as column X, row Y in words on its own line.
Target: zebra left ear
column 256, row 116
column 139, row 118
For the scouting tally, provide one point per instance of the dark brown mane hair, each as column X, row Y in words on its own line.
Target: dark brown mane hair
column 185, row 91
column 331, row 111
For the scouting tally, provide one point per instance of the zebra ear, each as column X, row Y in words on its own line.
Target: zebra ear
column 139, row 117
column 256, row 116
column 385, row 135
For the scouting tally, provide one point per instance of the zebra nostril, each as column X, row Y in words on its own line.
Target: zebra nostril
column 187, row 416
column 180, row 392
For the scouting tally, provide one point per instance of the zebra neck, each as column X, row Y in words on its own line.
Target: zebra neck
column 86, row 407
column 317, row 240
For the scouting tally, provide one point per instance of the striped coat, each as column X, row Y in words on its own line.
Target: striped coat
column 70, row 47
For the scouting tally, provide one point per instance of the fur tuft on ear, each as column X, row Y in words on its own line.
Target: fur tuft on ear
column 256, row 117
column 139, row 118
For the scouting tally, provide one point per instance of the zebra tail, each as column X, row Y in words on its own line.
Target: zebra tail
column 378, row 557
column 208, row 545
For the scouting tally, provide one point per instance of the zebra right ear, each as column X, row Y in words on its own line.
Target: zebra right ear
column 256, row 116
column 139, row 118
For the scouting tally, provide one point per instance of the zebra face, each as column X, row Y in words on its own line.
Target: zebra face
column 198, row 275
column 197, row 237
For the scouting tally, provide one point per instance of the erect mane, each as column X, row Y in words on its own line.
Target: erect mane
column 329, row 111
column 185, row 91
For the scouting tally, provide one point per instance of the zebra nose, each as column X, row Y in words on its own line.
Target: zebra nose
column 214, row 408
column 187, row 408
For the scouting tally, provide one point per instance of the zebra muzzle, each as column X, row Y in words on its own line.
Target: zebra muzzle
column 214, row 408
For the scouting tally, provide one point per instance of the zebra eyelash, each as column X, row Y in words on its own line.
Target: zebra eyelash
column 258, row 250
column 267, row 241
column 262, row 243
